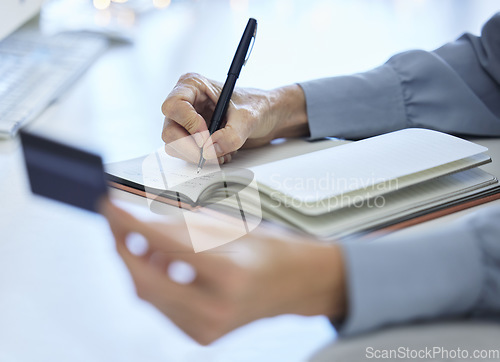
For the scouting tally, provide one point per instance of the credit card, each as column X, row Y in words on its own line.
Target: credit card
column 63, row 173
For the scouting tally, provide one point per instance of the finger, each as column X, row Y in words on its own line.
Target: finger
column 160, row 236
column 229, row 156
column 182, row 111
column 226, row 158
column 145, row 257
column 159, row 260
column 137, row 245
column 152, row 283
column 192, row 158
column 183, row 150
column 173, row 239
column 173, row 153
column 210, row 152
column 173, row 131
column 178, row 271
column 134, row 245
column 177, row 300
column 179, row 107
column 227, row 140
column 185, row 145
column 120, row 221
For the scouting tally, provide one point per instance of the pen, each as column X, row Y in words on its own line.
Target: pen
column 239, row 60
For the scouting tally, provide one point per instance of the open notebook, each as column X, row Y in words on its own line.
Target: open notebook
column 329, row 188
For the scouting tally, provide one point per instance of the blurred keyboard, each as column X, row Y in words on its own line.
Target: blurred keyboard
column 35, row 70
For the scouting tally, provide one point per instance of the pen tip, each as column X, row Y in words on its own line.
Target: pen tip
column 199, row 169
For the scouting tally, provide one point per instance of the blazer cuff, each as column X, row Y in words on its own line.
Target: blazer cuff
column 401, row 277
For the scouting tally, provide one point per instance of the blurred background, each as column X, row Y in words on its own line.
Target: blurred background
column 155, row 41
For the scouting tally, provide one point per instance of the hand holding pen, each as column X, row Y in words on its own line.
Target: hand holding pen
column 234, row 72
column 254, row 117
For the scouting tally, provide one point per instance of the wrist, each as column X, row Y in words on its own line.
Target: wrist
column 288, row 108
column 329, row 281
column 320, row 281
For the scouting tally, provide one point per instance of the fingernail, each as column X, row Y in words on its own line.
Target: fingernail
column 198, row 138
column 221, row 160
column 136, row 244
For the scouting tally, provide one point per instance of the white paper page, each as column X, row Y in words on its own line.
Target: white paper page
column 280, row 149
column 161, row 171
column 323, row 174
column 178, row 175
column 438, row 191
column 358, row 196
column 129, row 170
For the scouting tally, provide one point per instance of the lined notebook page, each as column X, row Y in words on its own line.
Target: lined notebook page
column 327, row 173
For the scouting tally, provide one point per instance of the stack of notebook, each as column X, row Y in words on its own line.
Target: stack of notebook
column 327, row 189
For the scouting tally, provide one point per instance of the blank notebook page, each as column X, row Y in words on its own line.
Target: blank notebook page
column 327, row 173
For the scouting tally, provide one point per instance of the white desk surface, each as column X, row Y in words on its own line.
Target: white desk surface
column 65, row 295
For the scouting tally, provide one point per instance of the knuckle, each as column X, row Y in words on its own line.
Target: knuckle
column 188, row 76
column 191, row 123
column 167, row 108
column 234, row 140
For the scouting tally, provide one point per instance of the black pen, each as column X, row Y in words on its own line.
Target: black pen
column 239, row 60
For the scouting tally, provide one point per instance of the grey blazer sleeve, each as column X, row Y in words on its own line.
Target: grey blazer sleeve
column 448, row 272
column 453, row 271
column 455, row 89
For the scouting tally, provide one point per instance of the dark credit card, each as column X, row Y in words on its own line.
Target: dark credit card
column 63, row 173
